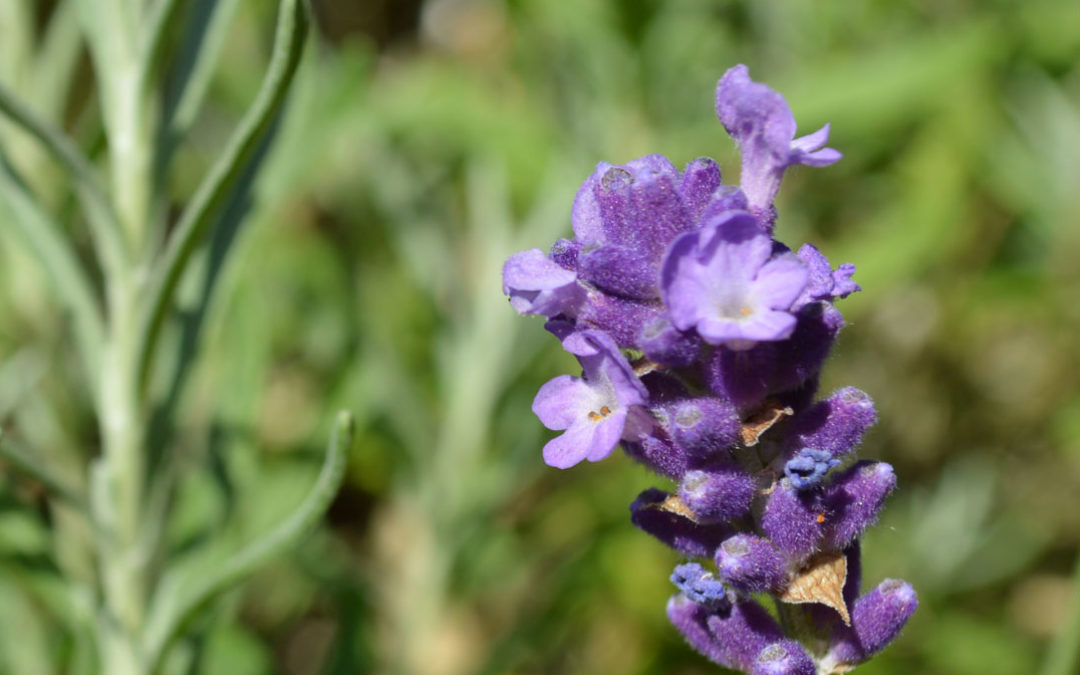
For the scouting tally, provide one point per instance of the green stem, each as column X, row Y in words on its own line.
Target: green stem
column 223, row 176
column 1064, row 654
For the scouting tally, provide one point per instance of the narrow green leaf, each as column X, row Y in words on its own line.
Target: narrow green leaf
column 213, row 193
column 178, row 599
column 27, row 463
column 99, row 209
column 46, row 241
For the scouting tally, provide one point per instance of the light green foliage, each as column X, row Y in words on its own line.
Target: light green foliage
column 405, row 166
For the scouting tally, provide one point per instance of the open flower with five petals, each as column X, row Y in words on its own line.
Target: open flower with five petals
column 593, row 409
column 724, row 282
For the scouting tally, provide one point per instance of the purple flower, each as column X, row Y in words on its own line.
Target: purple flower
column 662, row 262
column 724, row 282
column 751, row 564
column 783, row 658
column 717, row 494
column 538, row 285
column 700, row 586
column 808, row 467
column 731, row 637
column 876, row 620
column 825, row 283
column 762, row 124
column 592, row 409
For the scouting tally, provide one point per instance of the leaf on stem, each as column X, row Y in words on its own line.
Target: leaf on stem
column 180, row 598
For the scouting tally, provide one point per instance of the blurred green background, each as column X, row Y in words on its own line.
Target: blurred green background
column 427, row 141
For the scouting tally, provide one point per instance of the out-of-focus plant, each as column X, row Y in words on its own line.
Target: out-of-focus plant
column 134, row 305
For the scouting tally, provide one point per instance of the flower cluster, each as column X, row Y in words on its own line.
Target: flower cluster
column 701, row 338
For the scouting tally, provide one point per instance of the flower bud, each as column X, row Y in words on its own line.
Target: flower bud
column 783, row 658
column 854, row 500
column 794, row 520
column 835, row 425
column 717, row 495
column 655, row 512
column 751, row 564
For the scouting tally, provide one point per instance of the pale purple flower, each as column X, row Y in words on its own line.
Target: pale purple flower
column 593, row 408
column 762, row 124
column 725, row 282
column 538, row 285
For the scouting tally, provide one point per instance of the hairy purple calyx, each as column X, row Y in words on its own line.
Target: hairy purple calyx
column 701, row 339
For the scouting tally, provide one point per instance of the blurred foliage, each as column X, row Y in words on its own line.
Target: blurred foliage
column 425, row 144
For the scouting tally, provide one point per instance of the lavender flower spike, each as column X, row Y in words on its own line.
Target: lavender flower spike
column 762, row 124
column 724, row 281
column 662, row 262
column 593, row 408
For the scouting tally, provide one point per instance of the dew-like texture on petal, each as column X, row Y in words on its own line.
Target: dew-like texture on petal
column 621, row 318
column 763, row 126
column 835, row 425
column 700, row 181
column 538, row 285
column 565, row 253
column 794, row 520
column 677, row 531
column 639, row 205
column 783, row 658
column 620, row 270
column 751, row 564
column 855, row 499
column 720, row 282
column 717, row 494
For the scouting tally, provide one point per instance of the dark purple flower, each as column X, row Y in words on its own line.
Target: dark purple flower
column 762, row 124
column 667, row 345
column 651, row 513
column 732, row 637
column 808, row 467
column 783, row 658
column 854, row 500
column 794, row 520
column 718, row 494
column 538, row 285
column 592, row 409
column 703, row 427
column 835, row 425
column 876, row 620
column 724, row 282
column 751, row 564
